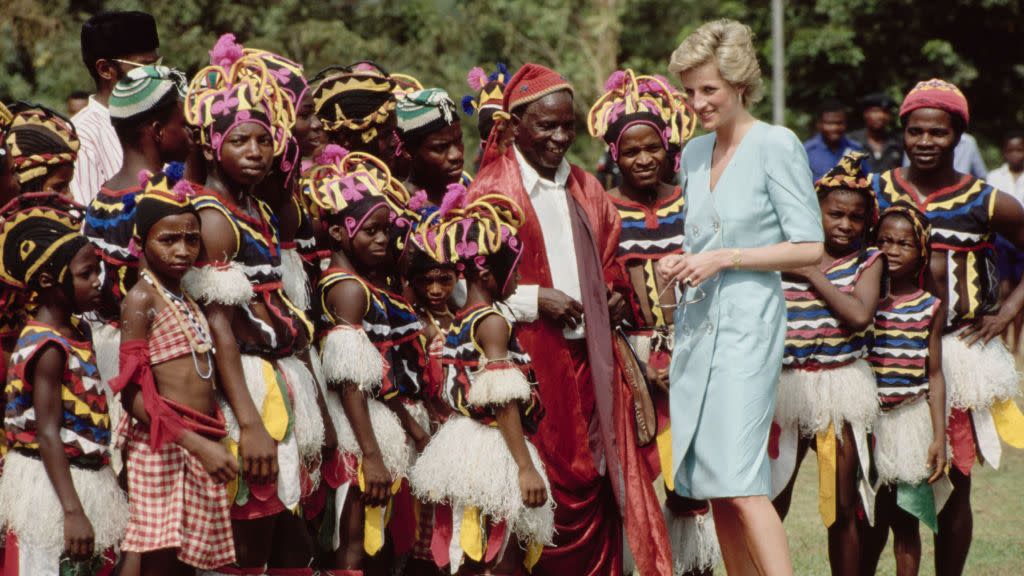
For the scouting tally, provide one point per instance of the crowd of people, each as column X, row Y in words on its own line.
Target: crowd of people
column 264, row 322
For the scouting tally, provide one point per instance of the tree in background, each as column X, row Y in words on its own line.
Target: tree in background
column 835, row 48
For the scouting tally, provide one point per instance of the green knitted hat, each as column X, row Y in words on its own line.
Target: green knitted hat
column 143, row 89
column 424, row 111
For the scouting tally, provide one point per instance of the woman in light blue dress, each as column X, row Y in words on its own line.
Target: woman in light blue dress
column 751, row 213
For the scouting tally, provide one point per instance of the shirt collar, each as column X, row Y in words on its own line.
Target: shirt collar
column 99, row 107
column 531, row 178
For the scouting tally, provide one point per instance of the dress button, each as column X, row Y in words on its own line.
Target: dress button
column 717, row 226
column 708, row 327
column 695, row 230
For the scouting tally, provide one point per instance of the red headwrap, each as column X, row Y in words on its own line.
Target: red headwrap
column 531, row 83
column 938, row 94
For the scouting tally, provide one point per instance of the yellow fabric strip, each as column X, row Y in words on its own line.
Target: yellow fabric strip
column 472, row 535
column 664, row 442
column 533, row 552
column 826, row 442
column 1009, row 422
column 275, row 413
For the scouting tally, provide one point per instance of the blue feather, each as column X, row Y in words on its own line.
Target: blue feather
column 467, row 105
column 174, row 171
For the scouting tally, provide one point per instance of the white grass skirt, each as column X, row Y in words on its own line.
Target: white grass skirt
column 30, row 508
column 812, row 399
column 902, row 437
column 469, row 464
column 978, row 376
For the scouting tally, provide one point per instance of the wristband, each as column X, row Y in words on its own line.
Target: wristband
column 737, row 258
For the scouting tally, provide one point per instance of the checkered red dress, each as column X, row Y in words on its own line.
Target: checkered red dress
column 174, row 503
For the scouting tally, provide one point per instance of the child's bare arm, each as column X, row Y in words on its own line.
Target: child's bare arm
column 937, row 395
column 258, row 449
column 46, row 399
column 348, row 301
column 857, row 309
column 492, row 335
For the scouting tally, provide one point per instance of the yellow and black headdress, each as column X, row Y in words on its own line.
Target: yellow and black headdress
column 482, row 233
column 163, row 195
column 37, row 240
column 632, row 100
column 236, row 88
column 358, row 98
column 347, row 185
column 39, row 140
column 849, row 175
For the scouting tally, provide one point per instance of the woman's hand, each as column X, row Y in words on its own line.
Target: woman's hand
column 693, row 269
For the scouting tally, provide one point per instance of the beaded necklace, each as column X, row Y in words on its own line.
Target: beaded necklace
column 190, row 322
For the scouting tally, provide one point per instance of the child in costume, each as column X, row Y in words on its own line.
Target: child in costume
column 355, row 352
column 906, row 356
column 827, row 389
column 271, row 401
column 177, row 467
column 480, row 465
column 59, row 499
column 639, row 119
column 486, row 101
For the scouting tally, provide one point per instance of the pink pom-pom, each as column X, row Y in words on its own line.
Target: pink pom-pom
column 616, row 81
column 143, row 176
column 455, row 197
column 226, row 51
column 418, row 200
column 331, row 154
column 476, row 79
column 182, row 190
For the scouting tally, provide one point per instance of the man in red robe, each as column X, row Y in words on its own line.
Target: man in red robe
column 565, row 305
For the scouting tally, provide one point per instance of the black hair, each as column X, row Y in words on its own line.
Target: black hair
column 1013, row 135
column 129, row 129
column 830, row 105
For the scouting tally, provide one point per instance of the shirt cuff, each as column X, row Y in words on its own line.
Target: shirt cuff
column 524, row 302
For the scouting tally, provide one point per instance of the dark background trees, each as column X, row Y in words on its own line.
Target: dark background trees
column 835, row 48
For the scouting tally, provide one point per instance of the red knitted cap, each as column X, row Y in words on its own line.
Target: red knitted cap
column 938, row 94
column 530, row 83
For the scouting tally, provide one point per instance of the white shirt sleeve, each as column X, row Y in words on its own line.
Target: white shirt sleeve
column 524, row 302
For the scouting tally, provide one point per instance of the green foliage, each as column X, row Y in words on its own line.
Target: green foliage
column 835, row 48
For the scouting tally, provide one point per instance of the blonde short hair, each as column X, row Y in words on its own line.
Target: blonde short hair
column 730, row 45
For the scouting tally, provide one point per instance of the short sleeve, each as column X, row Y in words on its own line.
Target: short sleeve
column 791, row 188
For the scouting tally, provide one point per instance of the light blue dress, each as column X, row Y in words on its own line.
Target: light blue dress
column 728, row 346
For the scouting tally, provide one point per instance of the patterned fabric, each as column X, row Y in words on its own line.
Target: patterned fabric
column 85, row 425
column 100, row 154
column 110, row 225
column 360, row 101
column 375, row 319
column 174, row 503
column 647, row 235
column 960, row 217
column 167, row 341
column 407, row 345
column 144, row 88
column 815, row 338
column 899, row 352
column 464, row 361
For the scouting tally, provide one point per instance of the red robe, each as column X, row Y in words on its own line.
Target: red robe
column 587, row 517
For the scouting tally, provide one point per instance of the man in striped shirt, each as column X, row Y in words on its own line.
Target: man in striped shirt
column 112, row 44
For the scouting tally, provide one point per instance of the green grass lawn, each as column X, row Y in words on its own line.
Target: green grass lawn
column 998, row 498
